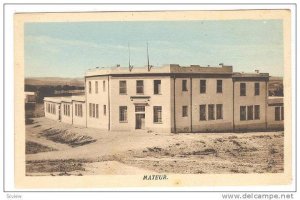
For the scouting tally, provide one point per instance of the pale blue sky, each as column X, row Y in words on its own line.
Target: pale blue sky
column 69, row 49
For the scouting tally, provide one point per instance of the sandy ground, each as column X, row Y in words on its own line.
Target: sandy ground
column 143, row 153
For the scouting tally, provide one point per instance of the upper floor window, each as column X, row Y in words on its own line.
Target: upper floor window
column 104, row 86
column 96, row 87
column 202, row 86
column 140, row 87
column 157, row 86
column 242, row 89
column 184, row 85
column 256, row 92
column 219, row 86
column 122, row 87
column 90, row 87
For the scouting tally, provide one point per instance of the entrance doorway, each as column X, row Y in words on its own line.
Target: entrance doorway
column 139, row 121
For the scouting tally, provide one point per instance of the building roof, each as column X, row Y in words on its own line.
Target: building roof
column 166, row 69
column 275, row 100
column 68, row 99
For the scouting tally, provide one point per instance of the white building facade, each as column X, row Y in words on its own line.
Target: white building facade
column 171, row 99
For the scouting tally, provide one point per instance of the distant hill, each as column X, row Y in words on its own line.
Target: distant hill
column 276, row 86
column 53, row 81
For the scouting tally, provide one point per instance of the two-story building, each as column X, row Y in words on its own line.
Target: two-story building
column 174, row 99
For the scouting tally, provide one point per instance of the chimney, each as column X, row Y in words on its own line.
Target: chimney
column 221, row 64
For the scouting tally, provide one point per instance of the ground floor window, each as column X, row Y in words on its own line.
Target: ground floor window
column 251, row 112
column 279, row 113
column 78, row 110
column 184, row 111
column 123, row 113
column 211, row 111
column 93, row 110
column 67, row 110
column 219, row 111
column 157, row 114
column 202, row 112
column 50, row 107
column 104, row 110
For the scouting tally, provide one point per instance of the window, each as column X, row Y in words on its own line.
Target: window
column 157, row 86
column 211, row 111
column 219, row 86
column 202, row 112
column 184, row 85
column 90, row 109
column 202, row 86
column 184, row 111
column 94, row 110
column 96, row 87
column 277, row 113
column 157, row 114
column 122, row 87
column 242, row 89
column 103, row 86
column 249, row 112
column 140, row 87
column 78, row 110
column 66, row 110
column 257, row 89
column 97, row 110
column 90, row 87
column 123, row 113
column 139, row 108
column 257, row 112
column 242, row 113
column 219, row 111
column 104, row 110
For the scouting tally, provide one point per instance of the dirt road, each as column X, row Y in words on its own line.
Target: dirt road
column 80, row 151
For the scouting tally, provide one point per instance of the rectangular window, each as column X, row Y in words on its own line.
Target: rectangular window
column 94, row 110
column 282, row 113
column 219, row 86
column 123, row 113
column 256, row 85
column 69, row 110
column 90, row 109
column 184, row 111
column 277, row 113
column 202, row 112
column 80, row 110
column 139, row 108
column 242, row 113
column 202, row 86
column 104, row 86
column 122, row 87
column 242, row 89
column 90, row 87
column 184, row 85
column 257, row 112
column 157, row 86
column 104, row 110
column 96, row 87
column 157, row 114
column 97, row 110
column 76, row 109
column 211, row 111
column 219, row 111
column 249, row 112
column 140, row 87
